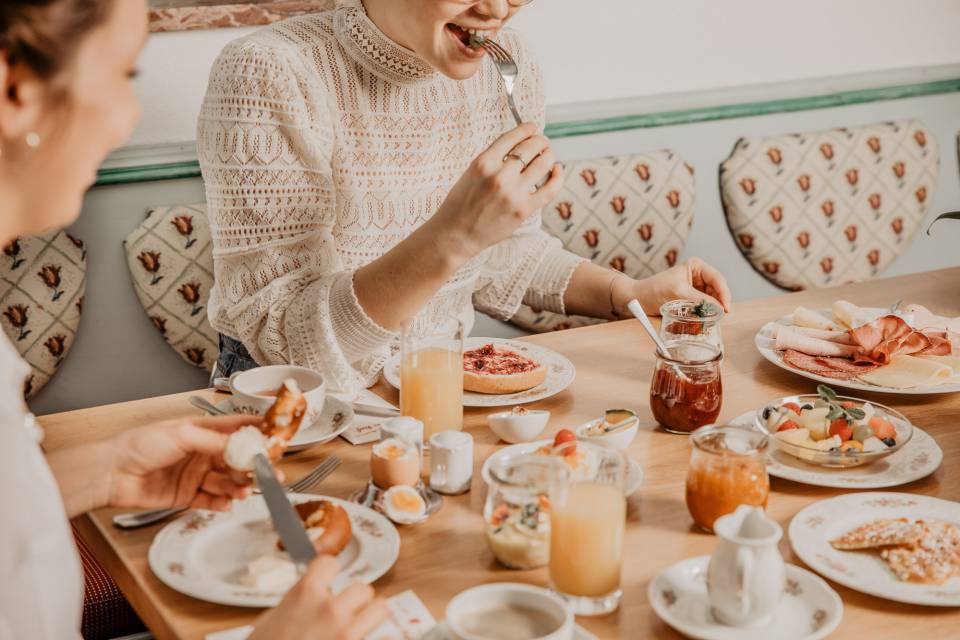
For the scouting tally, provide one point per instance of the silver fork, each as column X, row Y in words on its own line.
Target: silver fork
column 508, row 71
column 144, row 518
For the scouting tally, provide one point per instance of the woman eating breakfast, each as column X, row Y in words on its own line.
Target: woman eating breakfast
column 363, row 170
column 66, row 69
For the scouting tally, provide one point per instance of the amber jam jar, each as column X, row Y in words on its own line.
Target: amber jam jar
column 686, row 390
column 691, row 320
column 727, row 469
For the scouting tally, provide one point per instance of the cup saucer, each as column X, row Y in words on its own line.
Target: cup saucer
column 335, row 417
column 809, row 609
column 442, row 632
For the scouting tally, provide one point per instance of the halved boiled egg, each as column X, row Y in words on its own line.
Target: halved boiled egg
column 404, row 505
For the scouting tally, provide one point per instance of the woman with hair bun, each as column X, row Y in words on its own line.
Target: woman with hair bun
column 66, row 101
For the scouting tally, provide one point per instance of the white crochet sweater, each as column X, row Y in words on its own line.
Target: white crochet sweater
column 323, row 144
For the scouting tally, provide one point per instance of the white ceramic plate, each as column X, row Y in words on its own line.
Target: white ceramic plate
column 333, row 420
column 917, row 459
column 809, row 610
column 634, row 470
column 765, row 345
column 560, row 373
column 203, row 554
column 812, row 529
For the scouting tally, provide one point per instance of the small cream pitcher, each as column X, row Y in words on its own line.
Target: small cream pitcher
column 746, row 575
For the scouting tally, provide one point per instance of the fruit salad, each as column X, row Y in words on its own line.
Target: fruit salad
column 826, row 424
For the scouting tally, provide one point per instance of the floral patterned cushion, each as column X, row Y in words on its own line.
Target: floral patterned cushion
column 631, row 213
column 831, row 207
column 42, row 282
column 171, row 261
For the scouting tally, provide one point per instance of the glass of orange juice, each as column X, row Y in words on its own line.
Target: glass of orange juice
column 431, row 376
column 587, row 522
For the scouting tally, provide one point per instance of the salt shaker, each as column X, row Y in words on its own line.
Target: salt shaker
column 451, row 462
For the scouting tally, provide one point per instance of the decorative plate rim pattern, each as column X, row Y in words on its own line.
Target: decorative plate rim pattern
column 303, row 439
column 918, row 459
column 169, row 553
column 764, row 343
column 813, row 527
column 662, row 599
column 635, row 473
column 560, row 375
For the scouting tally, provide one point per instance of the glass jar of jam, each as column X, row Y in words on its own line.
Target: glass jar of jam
column 686, row 390
column 727, row 469
column 691, row 320
column 517, row 510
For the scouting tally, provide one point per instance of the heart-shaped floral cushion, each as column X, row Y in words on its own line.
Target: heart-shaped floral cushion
column 631, row 213
column 42, row 282
column 171, row 260
column 830, row 207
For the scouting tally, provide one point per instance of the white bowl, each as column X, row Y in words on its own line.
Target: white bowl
column 486, row 599
column 518, row 427
column 247, row 387
column 620, row 439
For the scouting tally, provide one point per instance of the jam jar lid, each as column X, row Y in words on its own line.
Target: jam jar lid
column 721, row 439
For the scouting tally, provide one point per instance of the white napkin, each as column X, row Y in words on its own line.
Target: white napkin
column 365, row 429
column 409, row 620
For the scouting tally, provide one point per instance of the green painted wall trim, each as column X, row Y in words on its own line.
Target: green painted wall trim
column 749, row 109
column 170, row 171
column 148, row 172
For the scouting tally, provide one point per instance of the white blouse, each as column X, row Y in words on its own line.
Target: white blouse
column 41, row 582
column 324, row 144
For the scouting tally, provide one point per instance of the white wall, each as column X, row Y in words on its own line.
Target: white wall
column 605, row 49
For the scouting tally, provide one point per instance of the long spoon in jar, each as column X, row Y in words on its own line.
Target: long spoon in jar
column 637, row 310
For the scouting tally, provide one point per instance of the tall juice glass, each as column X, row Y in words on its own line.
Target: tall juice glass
column 431, row 377
column 587, row 522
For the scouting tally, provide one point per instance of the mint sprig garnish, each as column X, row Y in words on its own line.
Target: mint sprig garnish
column 838, row 411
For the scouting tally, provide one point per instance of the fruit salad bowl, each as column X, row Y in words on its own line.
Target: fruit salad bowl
column 828, row 430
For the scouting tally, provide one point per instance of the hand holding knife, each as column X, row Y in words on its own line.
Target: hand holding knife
column 285, row 518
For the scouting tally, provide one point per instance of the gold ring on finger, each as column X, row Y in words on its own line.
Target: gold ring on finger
column 515, row 156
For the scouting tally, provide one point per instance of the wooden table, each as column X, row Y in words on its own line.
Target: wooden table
column 448, row 553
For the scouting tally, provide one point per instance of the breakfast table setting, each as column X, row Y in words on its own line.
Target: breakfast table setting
column 783, row 470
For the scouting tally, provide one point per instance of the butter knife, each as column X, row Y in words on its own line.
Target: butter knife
column 285, row 518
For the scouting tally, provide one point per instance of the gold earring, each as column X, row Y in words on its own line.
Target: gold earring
column 33, row 139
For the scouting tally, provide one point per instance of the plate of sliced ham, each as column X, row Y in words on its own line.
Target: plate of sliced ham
column 908, row 350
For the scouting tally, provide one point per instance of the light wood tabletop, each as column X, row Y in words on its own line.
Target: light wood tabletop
column 448, row 553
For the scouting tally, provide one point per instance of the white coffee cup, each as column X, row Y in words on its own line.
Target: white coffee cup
column 469, row 614
column 251, row 388
column 451, row 462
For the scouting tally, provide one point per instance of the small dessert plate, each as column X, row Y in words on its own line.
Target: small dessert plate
column 920, row 457
column 333, row 420
column 809, row 609
column 812, row 529
column 634, row 470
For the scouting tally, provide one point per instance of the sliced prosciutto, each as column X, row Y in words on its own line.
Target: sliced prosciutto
column 885, row 338
column 790, row 338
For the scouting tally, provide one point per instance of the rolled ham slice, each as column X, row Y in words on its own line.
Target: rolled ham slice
column 789, row 338
column 841, row 337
